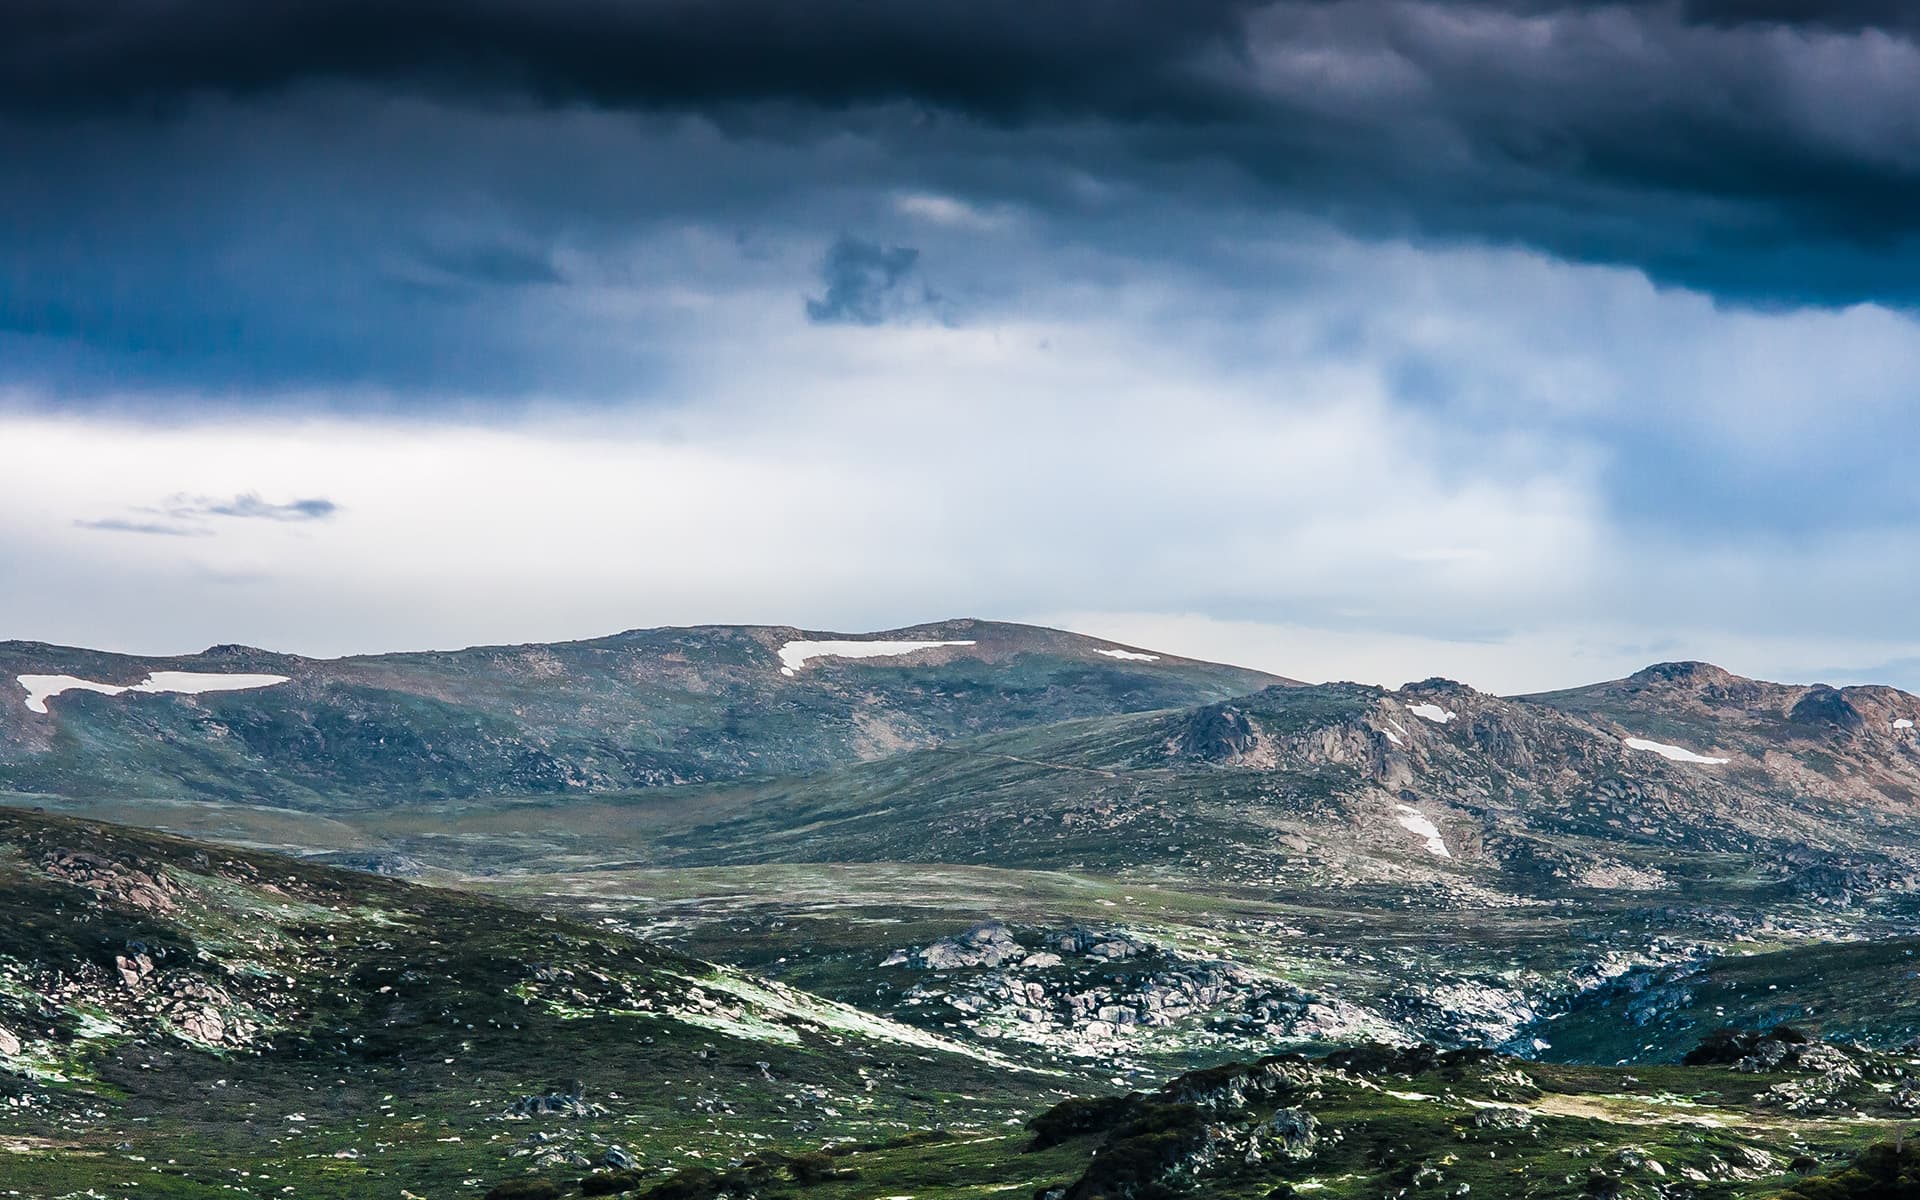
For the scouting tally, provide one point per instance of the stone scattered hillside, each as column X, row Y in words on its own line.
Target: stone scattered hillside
column 1345, row 783
column 242, row 1017
column 192, row 1021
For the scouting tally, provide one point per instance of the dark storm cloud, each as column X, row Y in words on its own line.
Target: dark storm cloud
column 1756, row 149
column 212, row 196
column 1002, row 57
column 865, row 283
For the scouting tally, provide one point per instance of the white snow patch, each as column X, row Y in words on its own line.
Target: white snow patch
column 1415, row 822
column 794, row 655
column 1129, row 655
column 42, row 688
column 1676, row 753
column 1432, row 712
column 1903, row 723
column 1393, row 737
column 193, row 683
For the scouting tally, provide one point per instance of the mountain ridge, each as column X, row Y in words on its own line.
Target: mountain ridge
column 636, row 709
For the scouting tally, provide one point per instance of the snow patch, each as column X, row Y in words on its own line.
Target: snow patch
column 1432, row 712
column 193, row 683
column 794, row 655
column 1903, row 723
column 1129, row 655
column 1415, row 822
column 1675, row 753
column 42, row 688
column 1393, row 737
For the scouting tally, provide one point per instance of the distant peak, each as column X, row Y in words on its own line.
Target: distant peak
column 1690, row 672
column 231, row 650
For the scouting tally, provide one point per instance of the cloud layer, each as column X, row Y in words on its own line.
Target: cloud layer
column 1522, row 334
column 1757, row 151
column 1407, row 462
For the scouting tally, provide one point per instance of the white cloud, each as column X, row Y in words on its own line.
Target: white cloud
column 1389, row 463
column 949, row 211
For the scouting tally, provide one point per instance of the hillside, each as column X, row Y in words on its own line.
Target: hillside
column 188, row 1021
column 260, row 1024
column 639, row 709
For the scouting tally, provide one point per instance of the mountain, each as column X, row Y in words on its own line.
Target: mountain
column 1070, row 874
column 640, row 709
column 1152, row 885
column 1292, row 867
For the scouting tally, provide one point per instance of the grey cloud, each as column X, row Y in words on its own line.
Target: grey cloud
column 866, row 284
column 249, row 505
column 154, row 528
column 191, row 516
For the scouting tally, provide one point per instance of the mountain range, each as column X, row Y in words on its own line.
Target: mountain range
column 640, row 709
column 965, row 858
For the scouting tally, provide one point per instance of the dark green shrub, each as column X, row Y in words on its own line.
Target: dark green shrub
column 609, row 1183
column 1883, row 1171
column 1078, row 1117
column 688, row 1183
column 1141, row 1151
column 816, row 1166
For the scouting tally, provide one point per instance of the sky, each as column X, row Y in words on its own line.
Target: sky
column 1522, row 342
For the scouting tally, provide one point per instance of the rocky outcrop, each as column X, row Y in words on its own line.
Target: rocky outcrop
column 1094, row 992
column 138, row 885
column 567, row 1101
